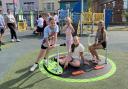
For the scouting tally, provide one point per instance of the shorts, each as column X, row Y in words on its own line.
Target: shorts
column 43, row 47
column 72, row 59
column 39, row 29
column 1, row 31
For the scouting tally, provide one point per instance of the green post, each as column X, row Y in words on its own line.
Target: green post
column 32, row 19
column 21, row 15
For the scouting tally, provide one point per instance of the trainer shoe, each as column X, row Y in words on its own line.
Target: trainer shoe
column 18, row 40
column 63, row 44
column 12, row 40
column 33, row 67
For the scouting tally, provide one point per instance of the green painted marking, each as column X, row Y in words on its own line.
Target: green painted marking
column 105, row 76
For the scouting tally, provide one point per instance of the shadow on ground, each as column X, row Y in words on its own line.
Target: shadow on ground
column 18, row 82
column 32, row 36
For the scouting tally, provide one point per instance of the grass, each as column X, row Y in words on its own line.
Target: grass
column 18, row 76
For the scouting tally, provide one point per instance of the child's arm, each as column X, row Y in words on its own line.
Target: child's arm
column 83, row 58
column 64, row 28
column 54, row 39
column 72, row 28
column 104, row 37
column 68, row 59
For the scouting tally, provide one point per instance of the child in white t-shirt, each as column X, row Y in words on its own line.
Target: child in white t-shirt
column 76, row 54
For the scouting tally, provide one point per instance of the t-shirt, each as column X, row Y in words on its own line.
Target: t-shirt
column 78, row 49
column 2, row 22
column 40, row 22
column 48, row 32
column 56, row 18
column 10, row 18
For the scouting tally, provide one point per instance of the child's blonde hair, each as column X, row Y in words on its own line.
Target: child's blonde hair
column 101, row 21
column 69, row 19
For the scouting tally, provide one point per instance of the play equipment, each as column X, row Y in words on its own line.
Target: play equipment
column 53, row 66
column 79, row 72
column 62, row 14
column 32, row 19
column 89, row 19
column 98, row 67
column 91, row 73
column 22, row 24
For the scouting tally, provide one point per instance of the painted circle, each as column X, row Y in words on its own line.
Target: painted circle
column 102, row 77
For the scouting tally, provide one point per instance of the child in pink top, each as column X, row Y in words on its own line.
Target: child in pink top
column 68, row 29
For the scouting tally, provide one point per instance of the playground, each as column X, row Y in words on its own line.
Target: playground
column 109, row 73
column 15, row 74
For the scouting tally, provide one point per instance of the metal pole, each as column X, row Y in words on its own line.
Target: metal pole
column 14, row 7
column 92, row 30
column 127, row 5
column 81, row 17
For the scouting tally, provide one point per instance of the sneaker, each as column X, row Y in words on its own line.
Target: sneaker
column 63, row 44
column 18, row 40
column 12, row 40
column 33, row 67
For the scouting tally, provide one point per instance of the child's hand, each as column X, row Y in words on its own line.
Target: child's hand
column 86, row 63
column 51, row 46
column 66, row 65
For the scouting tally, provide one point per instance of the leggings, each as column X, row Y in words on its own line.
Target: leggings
column 68, row 44
column 12, row 30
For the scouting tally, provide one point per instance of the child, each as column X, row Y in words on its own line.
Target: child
column 75, row 56
column 2, row 28
column 68, row 29
column 49, row 41
column 11, row 23
column 100, row 41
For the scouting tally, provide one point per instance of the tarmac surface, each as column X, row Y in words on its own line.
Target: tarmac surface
column 117, row 41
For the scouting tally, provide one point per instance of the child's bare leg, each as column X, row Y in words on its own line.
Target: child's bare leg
column 41, row 55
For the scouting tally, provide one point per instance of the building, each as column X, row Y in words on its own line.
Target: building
column 73, row 5
column 0, row 5
column 48, row 5
column 117, row 6
column 16, row 5
column 29, row 5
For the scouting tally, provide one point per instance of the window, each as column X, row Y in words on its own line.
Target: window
column 29, row 6
column 67, row 5
column 50, row 6
column 10, row 6
column 125, row 4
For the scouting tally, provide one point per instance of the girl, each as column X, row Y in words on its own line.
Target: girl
column 75, row 56
column 49, row 41
column 11, row 23
column 68, row 29
column 100, row 41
